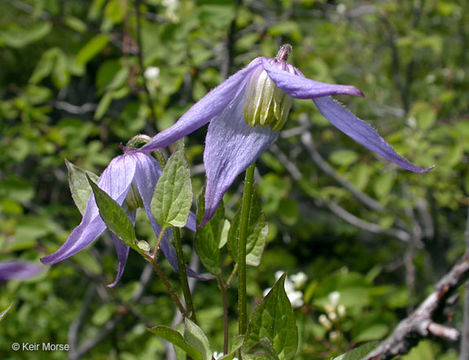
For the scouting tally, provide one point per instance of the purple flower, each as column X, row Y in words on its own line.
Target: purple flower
column 246, row 113
column 132, row 178
column 18, row 270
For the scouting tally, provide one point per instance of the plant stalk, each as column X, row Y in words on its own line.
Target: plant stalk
column 243, row 233
column 183, row 275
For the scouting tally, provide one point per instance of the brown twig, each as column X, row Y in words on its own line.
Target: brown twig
column 421, row 323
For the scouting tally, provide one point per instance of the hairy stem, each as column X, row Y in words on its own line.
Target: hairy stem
column 183, row 275
column 243, row 232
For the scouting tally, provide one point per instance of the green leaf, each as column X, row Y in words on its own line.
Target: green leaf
column 382, row 186
column 60, row 73
column 91, row 49
column 234, row 348
column 274, row 319
column 172, row 198
column 195, row 337
column 103, row 105
column 257, row 230
column 343, row 157
column 176, row 339
column 209, row 238
column 79, row 185
column 45, row 65
column 4, row 312
column 17, row 37
column 113, row 215
column 262, row 350
column 358, row 353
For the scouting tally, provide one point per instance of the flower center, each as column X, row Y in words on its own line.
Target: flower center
column 133, row 198
column 264, row 102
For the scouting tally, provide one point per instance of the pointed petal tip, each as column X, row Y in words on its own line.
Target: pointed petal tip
column 358, row 92
column 424, row 170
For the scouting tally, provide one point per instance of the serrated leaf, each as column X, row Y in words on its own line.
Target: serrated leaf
column 176, row 339
column 257, row 233
column 79, row 185
column 358, row 353
column 113, row 215
column 195, row 337
column 209, row 237
column 274, row 319
column 262, row 350
column 172, row 198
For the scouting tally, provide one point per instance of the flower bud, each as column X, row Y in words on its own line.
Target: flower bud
column 324, row 320
column 264, row 102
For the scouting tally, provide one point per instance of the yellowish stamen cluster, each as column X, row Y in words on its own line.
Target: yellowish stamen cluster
column 265, row 103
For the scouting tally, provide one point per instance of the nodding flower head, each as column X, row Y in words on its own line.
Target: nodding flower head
column 248, row 109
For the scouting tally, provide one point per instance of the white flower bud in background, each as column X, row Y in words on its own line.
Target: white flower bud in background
column 341, row 310
column 334, row 298
column 295, row 297
column 332, row 316
column 334, row 336
column 151, row 73
column 329, row 308
column 299, row 280
column 171, row 7
column 324, row 321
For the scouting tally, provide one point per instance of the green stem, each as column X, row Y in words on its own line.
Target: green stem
column 183, row 275
column 158, row 242
column 165, row 281
column 243, row 232
column 223, row 288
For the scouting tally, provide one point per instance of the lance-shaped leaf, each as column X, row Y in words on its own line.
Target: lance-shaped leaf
column 211, row 237
column 196, row 338
column 274, row 319
column 79, row 186
column 113, row 215
column 257, row 233
column 172, row 198
column 175, row 338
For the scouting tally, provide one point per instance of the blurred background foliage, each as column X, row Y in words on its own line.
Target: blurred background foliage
column 80, row 77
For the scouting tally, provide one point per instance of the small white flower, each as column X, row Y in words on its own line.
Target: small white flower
column 296, row 299
column 299, row 280
column 151, row 72
column 333, row 316
column 324, row 321
column 341, row 310
column 341, row 9
column 334, row 298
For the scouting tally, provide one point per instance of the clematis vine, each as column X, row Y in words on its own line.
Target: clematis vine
column 246, row 113
column 18, row 270
column 129, row 178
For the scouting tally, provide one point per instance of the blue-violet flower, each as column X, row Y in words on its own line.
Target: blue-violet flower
column 18, row 270
column 246, row 113
column 132, row 178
